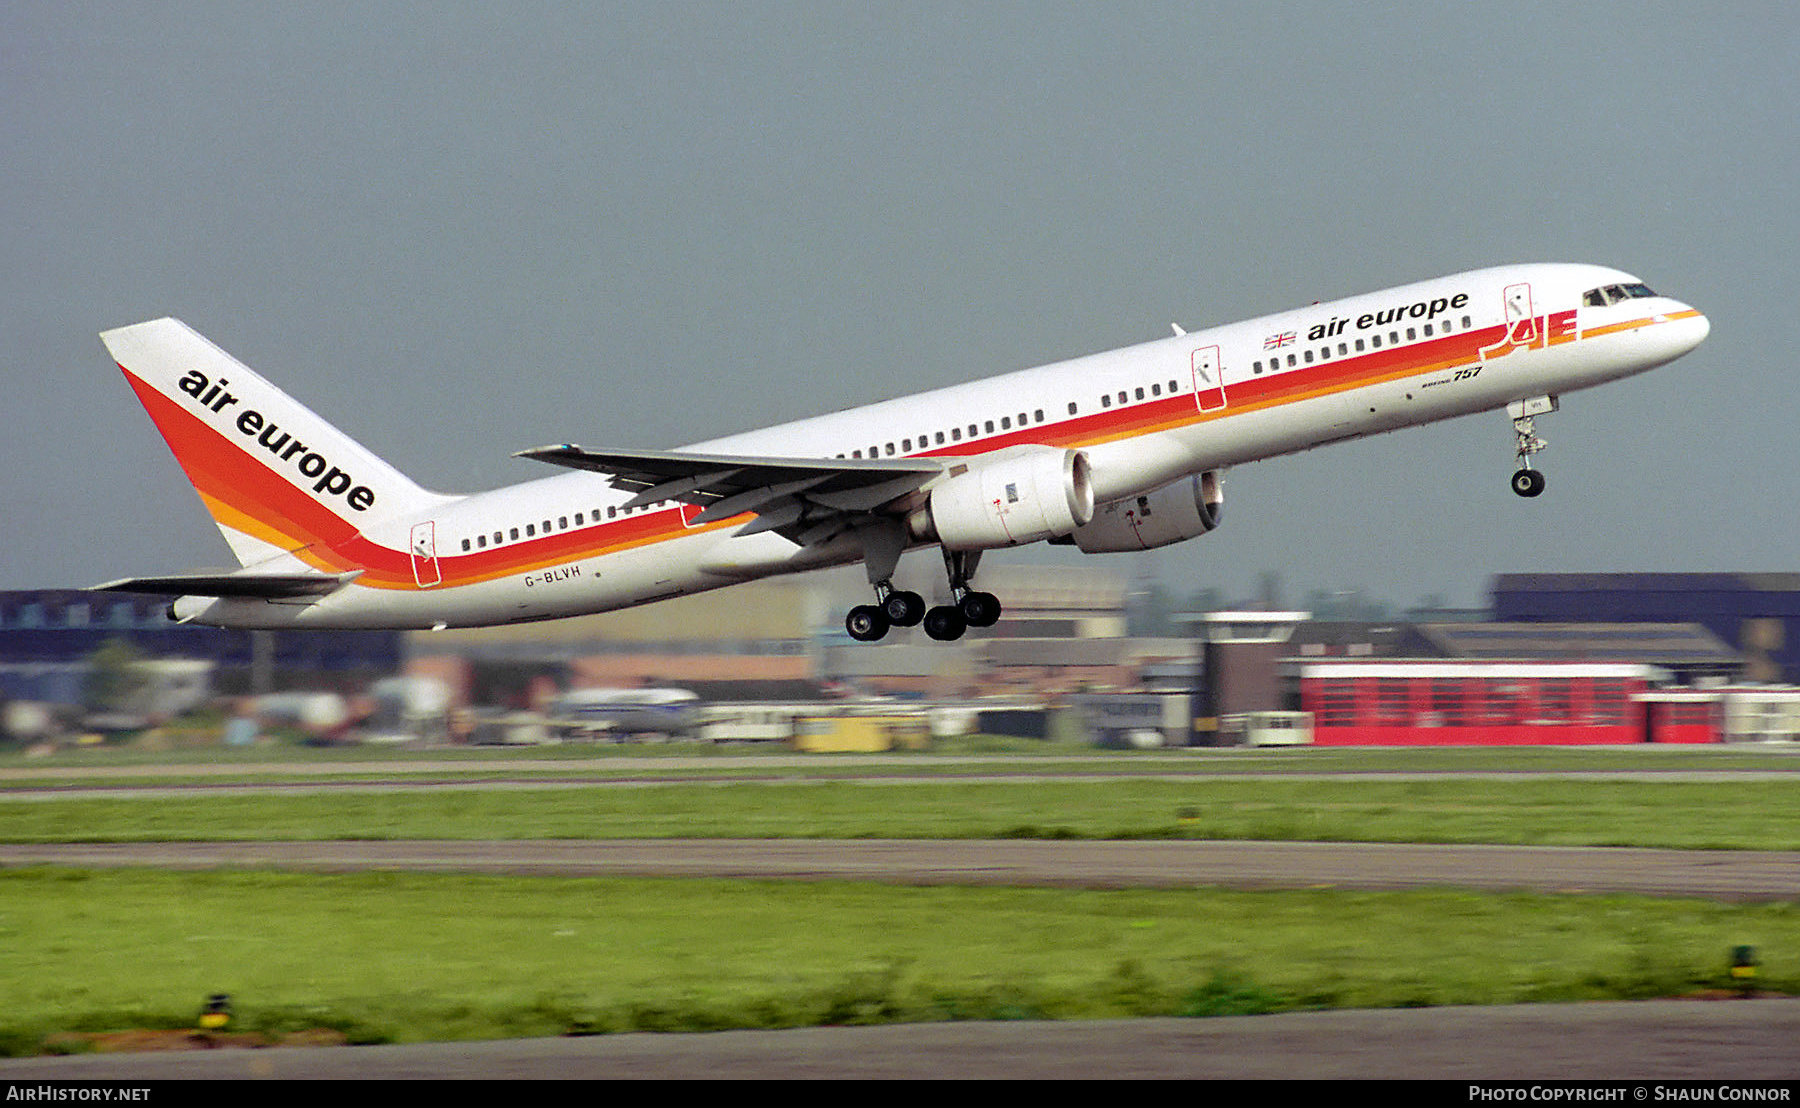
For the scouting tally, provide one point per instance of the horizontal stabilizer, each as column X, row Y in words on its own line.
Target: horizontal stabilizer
column 261, row 586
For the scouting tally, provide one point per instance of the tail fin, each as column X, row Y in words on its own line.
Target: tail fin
column 275, row 476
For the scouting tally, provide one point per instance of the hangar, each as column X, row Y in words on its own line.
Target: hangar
column 1757, row 613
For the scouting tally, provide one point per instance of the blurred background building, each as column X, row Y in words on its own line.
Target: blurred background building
column 1561, row 657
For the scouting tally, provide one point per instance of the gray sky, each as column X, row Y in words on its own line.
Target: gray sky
column 462, row 230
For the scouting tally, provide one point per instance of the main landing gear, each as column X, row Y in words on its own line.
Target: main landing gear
column 967, row 608
column 869, row 622
column 1526, row 481
column 945, row 622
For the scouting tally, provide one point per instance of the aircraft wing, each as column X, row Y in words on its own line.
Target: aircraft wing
column 805, row 499
column 261, row 586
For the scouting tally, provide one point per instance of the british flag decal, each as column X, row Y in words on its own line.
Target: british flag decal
column 1276, row 342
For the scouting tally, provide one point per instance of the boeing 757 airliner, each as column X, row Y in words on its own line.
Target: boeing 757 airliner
column 1112, row 452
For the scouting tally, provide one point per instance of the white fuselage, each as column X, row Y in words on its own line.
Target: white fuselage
column 1144, row 415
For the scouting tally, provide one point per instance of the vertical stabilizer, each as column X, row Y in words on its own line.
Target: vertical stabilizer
column 275, row 476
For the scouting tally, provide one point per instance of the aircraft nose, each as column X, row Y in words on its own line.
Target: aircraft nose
column 1688, row 328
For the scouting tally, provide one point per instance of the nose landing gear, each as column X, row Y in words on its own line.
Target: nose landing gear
column 1526, row 481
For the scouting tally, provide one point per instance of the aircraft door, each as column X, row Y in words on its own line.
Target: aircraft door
column 1209, row 378
column 426, row 572
column 1521, row 323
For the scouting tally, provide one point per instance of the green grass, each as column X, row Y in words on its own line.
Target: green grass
column 411, row 957
column 417, row 957
column 1751, row 814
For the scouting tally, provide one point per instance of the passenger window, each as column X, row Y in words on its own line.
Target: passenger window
column 530, row 530
column 1293, row 361
column 481, row 541
column 1174, row 388
column 1106, row 401
column 1343, row 348
column 1006, row 423
column 956, row 434
column 890, row 448
column 906, row 445
column 465, row 546
column 1071, row 407
column 1155, row 390
column 1427, row 330
column 1256, row 367
column 1411, row 334
column 578, row 514
column 990, row 426
column 498, row 538
column 1324, row 353
column 1140, row 392
column 1022, row 419
column 856, row 453
column 1038, row 415
column 562, row 523
column 1466, row 324
column 612, row 512
column 940, row 438
column 515, row 534
column 1375, row 341
column 1308, row 355
column 1124, row 397
column 546, row 527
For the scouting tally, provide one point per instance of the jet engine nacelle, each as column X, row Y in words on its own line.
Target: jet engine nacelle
column 1179, row 510
column 1036, row 493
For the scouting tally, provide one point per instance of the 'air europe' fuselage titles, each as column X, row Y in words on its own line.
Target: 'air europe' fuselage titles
column 1423, row 309
column 328, row 479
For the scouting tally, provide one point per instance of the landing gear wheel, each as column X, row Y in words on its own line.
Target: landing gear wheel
column 945, row 624
column 980, row 609
column 866, row 623
column 903, row 609
column 1528, row 482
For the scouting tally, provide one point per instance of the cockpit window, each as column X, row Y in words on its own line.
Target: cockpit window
column 1614, row 294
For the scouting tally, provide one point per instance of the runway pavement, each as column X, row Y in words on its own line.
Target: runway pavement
column 1710, row 1041
column 1718, row 874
